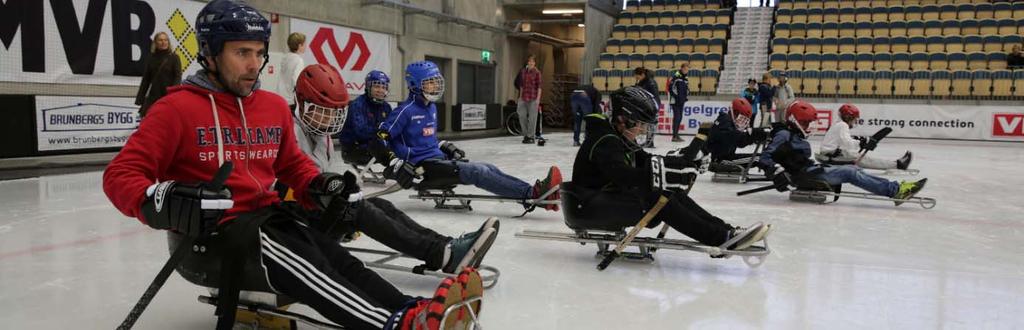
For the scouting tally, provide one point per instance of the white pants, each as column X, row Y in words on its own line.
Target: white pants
column 847, row 156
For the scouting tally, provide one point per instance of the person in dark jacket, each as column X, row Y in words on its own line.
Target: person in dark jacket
column 585, row 100
column 678, row 91
column 645, row 80
column 765, row 93
column 612, row 175
column 365, row 114
column 163, row 69
column 730, row 133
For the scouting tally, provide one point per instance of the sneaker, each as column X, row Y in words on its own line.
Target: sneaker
column 677, row 139
column 472, row 287
column 575, row 143
column 469, row 249
column 527, row 140
column 552, row 181
column 741, row 238
column 904, row 162
column 427, row 314
column 541, row 141
column 908, row 190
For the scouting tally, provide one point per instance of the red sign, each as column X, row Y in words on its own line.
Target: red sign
column 1008, row 124
column 355, row 40
column 824, row 120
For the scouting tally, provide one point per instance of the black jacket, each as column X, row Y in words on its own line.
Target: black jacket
column 650, row 86
column 163, row 69
column 605, row 162
column 724, row 138
column 679, row 90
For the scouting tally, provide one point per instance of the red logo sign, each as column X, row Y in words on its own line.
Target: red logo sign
column 1008, row 124
column 824, row 120
column 355, row 40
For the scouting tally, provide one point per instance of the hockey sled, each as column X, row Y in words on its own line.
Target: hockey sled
column 447, row 199
column 387, row 259
column 368, row 175
column 823, row 193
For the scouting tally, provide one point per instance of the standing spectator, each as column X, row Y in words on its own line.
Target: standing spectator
column 766, row 3
column 163, row 69
column 585, row 100
column 1016, row 58
column 678, row 90
column 529, row 99
column 291, row 66
column 765, row 93
column 751, row 95
column 783, row 97
column 645, row 80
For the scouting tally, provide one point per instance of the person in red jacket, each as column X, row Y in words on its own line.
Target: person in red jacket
column 219, row 115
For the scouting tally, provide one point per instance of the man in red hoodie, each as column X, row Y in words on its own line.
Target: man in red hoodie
column 218, row 115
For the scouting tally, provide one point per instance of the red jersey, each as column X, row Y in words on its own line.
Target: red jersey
column 178, row 141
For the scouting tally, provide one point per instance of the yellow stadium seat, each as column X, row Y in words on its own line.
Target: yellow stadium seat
column 941, row 83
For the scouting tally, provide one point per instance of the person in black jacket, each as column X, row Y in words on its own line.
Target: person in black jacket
column 645, row 80
column 163, row 69
column 730, row 133
column 765, row 93
column 678, row 91
column 585, row 100
column 614, row 178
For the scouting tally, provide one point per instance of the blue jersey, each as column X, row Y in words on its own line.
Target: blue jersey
column 792, row 151
column 364, row 117
column 411, row 129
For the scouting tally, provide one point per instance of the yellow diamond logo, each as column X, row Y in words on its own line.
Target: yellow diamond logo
column 183, row 56
column 178, row 24
column 190, row 43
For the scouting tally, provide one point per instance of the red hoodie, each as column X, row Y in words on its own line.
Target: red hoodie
column 177, row 141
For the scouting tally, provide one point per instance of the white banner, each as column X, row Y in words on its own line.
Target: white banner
column 994, row 123
column 474, row 116
column 77, row 122
column 92, row 42
column 353, row 52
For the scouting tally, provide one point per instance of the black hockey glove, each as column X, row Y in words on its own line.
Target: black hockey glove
column 332, row 192
column 453, row 152
column 380, row 152
column 868, row 143
column 759, row 135
column 781, row 178
column 402, row 172
column 190, row 209
column 705, row 128
column 672, row 173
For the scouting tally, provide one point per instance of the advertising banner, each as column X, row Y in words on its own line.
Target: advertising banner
column 353, row 52
column 76, row 122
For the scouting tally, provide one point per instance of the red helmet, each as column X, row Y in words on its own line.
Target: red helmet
column 849, row 111
column 321, row 97
column 742, row 112
column 802, row 114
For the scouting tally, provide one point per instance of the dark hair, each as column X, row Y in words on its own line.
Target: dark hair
column 640, row 71
column 751, row 80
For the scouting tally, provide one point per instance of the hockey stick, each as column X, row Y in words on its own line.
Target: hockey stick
column 215, row 185
column 614, row 254
column 664, row 226
column 753, row 158
column 878, row 136
column 756, row 190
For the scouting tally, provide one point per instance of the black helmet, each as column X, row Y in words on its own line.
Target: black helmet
column 634, row 104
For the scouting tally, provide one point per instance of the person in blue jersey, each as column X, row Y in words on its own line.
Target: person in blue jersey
column 365, row 114
column 409, row 134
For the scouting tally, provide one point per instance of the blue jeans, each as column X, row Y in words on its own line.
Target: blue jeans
column 488, row 177
column 836, row 175
column 677, row 117
column 581, row 106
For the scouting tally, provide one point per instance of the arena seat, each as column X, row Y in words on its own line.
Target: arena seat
column 883, row 83
column 1002, row 83
column 829, row 82
column 981, row 83
column 865, row 83
column 941, row 83
column 961, row 84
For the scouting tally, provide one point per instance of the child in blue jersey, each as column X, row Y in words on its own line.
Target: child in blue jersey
column 365, row 114
column 410, row 134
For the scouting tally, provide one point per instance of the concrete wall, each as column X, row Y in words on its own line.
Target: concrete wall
column 598, row 29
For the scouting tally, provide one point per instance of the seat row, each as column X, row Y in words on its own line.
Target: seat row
column 899, row 28
column 866, row 45
column 626, row 61
column 902, row 13
column 811, row 4
column 709, row 16
column 886, row 61
column 677, row 31
column 661, row 5
column 1000, row 84
column 686, row 45
column 702, row 82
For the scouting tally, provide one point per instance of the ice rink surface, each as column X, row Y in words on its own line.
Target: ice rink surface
column 68, row 259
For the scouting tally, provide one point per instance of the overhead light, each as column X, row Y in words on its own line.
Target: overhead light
column 580, row 25
column 561, row 11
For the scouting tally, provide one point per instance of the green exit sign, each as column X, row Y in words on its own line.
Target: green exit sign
column 485, row 56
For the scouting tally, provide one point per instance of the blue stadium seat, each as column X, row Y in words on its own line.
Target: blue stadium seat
column 865, row 62
column 941, row 83
column 997, row 61
column 977, row 61
column 981, row 83
column 612, row 46
column 795, row 61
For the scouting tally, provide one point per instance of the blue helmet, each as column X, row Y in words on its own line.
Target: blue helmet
column 418, row 74
column 229, row 20
column 377, row 78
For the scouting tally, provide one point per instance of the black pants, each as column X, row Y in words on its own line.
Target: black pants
column 380, row 220
column 300, row 263
column 356, row 154
column 612, row 210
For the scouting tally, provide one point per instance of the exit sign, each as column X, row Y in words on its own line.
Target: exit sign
column 485, row 56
